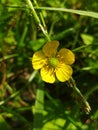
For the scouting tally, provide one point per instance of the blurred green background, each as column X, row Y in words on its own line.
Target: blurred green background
column 20, row 37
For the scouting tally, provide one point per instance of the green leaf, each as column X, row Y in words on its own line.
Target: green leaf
column 87, row 39
column 37, row 44
column 55, row 124
column 3, row 124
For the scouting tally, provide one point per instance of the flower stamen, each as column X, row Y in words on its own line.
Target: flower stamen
column 53, row 61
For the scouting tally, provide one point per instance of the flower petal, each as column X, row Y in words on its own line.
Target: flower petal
column 47, row 74
column 50, row 48
column 66, row 56
column 38, row 60
column 63, row 72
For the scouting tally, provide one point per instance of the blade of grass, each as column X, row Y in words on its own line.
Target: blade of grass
column 19, row 91
column 79, row 12
column 91, row 90
column 8, row 57
column 21, row 43
column 39, row 108
column 8, row 109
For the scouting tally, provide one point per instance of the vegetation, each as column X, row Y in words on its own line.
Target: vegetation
column 26, row 101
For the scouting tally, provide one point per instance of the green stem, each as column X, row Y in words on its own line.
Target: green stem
column 79, row 96
column 38, row 22
column 33, row 11
column 41, row 16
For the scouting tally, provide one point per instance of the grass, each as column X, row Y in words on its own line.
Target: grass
column 27, row 102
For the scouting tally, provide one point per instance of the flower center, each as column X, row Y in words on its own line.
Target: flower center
column 53, row 61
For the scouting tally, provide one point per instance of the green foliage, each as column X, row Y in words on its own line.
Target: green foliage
column 3, row 124
column 26, row 102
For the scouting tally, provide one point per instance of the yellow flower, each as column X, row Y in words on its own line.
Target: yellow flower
column 53, row 64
